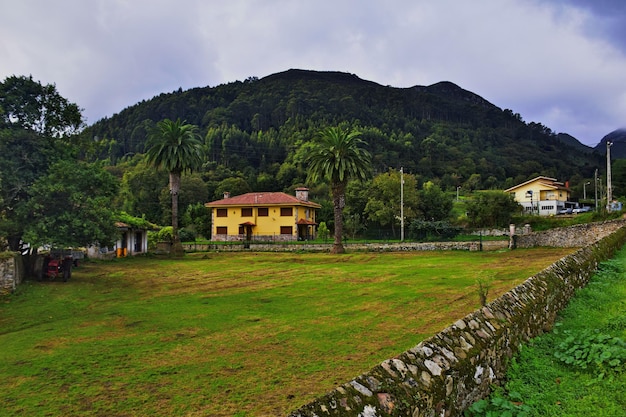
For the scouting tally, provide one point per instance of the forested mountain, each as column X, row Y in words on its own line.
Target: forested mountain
column 258, row 130
column 618, row 140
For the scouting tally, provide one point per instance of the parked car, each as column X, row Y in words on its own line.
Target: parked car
column 567, row 210
column 581, row 209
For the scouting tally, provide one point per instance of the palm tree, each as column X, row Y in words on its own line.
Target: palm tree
column 337, row 157
column 176, row 147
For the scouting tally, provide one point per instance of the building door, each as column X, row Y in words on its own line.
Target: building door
column 138, row 242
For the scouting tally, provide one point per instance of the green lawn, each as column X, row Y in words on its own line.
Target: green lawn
column 225, row 334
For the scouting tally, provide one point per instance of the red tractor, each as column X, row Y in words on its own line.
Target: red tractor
column 55, row 267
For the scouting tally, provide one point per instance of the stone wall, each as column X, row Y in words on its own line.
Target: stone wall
column 11, row 273
column 355, row 247
column 575, row 236
column 446, row 373
column 569, row 237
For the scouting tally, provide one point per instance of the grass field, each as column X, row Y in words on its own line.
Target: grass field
column 224, row 334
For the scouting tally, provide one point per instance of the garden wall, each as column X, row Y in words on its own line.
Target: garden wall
column 11, row 272
column 569, row 237
column 446, row 373
column 370, row 247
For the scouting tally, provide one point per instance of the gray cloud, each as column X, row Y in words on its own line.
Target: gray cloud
column 558, row 62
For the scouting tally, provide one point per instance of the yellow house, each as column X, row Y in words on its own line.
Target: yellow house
column 542, row 195
column 263, row 216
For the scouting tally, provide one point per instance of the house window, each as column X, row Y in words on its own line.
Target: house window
column 286, row 211
column 241, row 230
column 263, row 211
column 286, row 230
column 222, row 212
column 246, row 212
column 221, row 230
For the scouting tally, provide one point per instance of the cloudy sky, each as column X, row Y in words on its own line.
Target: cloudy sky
column 561, row 63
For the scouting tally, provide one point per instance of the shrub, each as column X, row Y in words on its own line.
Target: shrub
column 166, row 234
column 435, row 230
column 187, row 234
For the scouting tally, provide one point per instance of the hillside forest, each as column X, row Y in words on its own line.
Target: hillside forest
column 255, row 136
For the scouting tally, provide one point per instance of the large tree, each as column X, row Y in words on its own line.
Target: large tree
column 491, row 209
column 27, row 104
column 140, row 192
column 71, row 206
column 36, row 128
column 338, row 156
column 434, row 203
column 384, row 202
column 176, row 147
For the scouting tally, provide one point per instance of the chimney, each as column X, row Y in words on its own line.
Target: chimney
column 302, row 194
column 226, row 195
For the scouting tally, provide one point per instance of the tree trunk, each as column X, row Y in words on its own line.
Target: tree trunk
column 338, row 191
column 177, row 247
column 15, row 243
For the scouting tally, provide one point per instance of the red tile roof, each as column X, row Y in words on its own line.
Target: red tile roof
column 262, row 199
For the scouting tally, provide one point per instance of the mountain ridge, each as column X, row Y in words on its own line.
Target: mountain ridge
column 440, row 132
column 618, row 147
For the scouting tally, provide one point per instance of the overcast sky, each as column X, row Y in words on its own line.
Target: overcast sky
column 561, row 63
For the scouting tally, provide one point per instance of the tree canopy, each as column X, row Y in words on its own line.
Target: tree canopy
column 36, row 127
column 71, row 206
column 383, row 199
column 492, row 209
column 28, row 105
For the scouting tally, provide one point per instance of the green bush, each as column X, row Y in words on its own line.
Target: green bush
column 435, row 230
column 166, row 234
column 187, row 234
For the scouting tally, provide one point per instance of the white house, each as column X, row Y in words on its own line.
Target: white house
column 542, row 195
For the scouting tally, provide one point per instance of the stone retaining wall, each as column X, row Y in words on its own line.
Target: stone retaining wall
column 11, row 273
column 446, row 373
column 569, row 237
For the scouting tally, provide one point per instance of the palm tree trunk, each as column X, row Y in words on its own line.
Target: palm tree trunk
column 338, row 191
column 177, row 247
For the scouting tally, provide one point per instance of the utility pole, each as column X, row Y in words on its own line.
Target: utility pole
column 595, row 187
column 609, row 190
column 585, row 184
column 401, row 205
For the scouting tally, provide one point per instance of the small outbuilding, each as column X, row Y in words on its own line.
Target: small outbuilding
column 132, row 239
